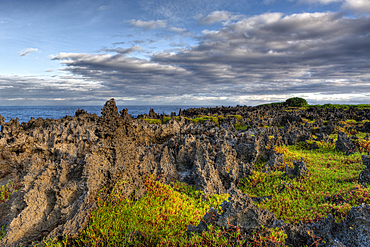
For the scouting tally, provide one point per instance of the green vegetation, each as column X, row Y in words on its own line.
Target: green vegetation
column 342, row 106
column 162, row 216
column 2, row 232
column 166, row 119
column 6, row 191
column 331, row 188
column 302, row 104
column 202, row 119
column 153, row 121
column 240, row 126
column 238, row 117
column 296, row 102
column 195, row 119
column 214, row 118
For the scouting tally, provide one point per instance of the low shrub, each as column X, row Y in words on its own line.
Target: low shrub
column 296, row 102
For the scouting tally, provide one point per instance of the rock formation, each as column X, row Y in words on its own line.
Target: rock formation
column 58, row 166
column 364, row 177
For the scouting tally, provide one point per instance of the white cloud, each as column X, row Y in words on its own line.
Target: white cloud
column 25, row 52
column 262, row 55
column 148, row 24
column 177, row 29
column 360, row 6
column 217, row 16
column 31, row 90
column 325, row 2
column 130, row 50
column 267, row 2
column 103, row 7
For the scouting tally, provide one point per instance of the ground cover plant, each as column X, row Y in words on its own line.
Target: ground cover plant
column 152, row 121
column 300, row 103
column 214, row 118
column 5, row 192
column 161, row 217
column 195, row 119
column 331, row 188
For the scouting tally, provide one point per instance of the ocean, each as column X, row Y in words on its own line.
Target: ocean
column 24, row 113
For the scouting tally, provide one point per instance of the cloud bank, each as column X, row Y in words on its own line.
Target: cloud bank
column 268, row 54
column 360, row 6
column 249, row 60
column 217, row 16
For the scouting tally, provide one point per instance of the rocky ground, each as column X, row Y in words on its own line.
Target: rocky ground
column 58, row 166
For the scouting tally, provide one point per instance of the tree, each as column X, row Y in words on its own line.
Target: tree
column 296, row 102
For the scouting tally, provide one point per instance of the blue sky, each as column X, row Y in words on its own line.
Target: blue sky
column 186, row 52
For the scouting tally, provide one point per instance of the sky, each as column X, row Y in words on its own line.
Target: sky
column 184, row 52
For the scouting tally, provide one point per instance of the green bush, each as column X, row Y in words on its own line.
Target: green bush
column 296, row 102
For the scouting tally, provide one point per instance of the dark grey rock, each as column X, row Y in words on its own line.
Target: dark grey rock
column 344, row 144
column 364, row 177
column 300, row 169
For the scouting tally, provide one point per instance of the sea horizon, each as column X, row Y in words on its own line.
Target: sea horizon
column 24, row 113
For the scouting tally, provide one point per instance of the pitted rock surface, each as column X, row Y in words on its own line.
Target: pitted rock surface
column 344, row 144
column 238, row 210
column 300, row 169
column 58, row 166
column 364, row 177
column 353, row 231
column 276, row 160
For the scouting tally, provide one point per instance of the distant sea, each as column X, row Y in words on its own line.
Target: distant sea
column 24, row 113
